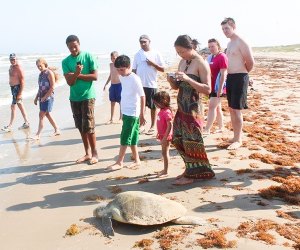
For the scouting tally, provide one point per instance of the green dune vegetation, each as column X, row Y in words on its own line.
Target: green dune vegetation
column 282, row 48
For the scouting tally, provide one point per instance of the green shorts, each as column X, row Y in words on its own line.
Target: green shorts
column 130, row 130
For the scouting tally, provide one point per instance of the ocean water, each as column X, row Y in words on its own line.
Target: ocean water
column 27, row 61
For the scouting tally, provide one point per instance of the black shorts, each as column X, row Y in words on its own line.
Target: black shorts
column 149, row 93
column 83, row 114
column 214, row 94
column 237, row 85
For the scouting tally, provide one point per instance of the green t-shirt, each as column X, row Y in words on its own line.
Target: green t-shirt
column 81, row 90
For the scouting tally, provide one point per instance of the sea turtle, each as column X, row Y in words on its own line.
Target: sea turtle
column 142, row 208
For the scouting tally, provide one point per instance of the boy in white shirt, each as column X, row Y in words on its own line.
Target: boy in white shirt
column 132, row 108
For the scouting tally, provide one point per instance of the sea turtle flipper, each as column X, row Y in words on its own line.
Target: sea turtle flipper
column 107, row 226
column 189, row 220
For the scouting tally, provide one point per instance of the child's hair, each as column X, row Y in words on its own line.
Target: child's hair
column 53, row 69
column 163, row 98
column 122, row 61
column 114, row 53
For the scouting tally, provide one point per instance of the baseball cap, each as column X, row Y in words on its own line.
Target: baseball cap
column 144, row 37
column 12, row 56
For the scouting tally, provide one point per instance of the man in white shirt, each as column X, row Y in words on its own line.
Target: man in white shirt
column 146, row 63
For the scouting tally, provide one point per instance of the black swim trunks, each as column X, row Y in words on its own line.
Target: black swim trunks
column 237, row 85
column 149, row 93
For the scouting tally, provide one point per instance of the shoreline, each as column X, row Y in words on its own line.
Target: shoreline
column 44, row 192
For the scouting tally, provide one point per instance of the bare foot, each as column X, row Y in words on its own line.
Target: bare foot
column 206, row 132
column 134, row 165
column 234, row 145
column 83, row 159
column 218, row 131
column 109, row 122
column 183, row 181
column 93, row 161
column 162, row 174
column 118, row 122
column 56, row 132
column 180, row 176
column 33, row 138
column 114, row 167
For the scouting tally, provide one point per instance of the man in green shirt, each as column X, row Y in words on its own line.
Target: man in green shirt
column 80, row 70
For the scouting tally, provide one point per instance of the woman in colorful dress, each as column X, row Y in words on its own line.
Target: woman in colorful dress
column 192, row 78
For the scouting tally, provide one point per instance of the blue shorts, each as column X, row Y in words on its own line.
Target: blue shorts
column 47, row 105
column 115, row 92
column 15, row 91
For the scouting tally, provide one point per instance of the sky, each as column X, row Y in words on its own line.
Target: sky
column 35, row 26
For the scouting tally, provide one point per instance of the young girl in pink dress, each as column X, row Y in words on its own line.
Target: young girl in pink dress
column 164, row 125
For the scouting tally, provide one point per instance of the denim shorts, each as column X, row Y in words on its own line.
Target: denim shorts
column 15, row 91
column 47, row 105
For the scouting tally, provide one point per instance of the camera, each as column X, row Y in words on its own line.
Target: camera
column 171, row 75
column 78, row 63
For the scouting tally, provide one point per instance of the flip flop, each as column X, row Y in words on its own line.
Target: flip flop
column 151, row 131
column 142, row 130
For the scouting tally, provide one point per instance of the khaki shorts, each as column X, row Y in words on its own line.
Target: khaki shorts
column 83, row 114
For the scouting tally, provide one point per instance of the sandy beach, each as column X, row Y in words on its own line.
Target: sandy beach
column 252, row 203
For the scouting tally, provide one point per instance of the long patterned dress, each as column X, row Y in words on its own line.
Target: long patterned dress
column 187, row 137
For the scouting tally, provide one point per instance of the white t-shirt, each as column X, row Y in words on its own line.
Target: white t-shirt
column 132, row 90
column 147, row 73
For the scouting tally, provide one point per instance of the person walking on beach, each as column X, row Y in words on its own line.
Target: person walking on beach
column 240, row 63
column 133, row 108
column 17, row 83
column 80, row 70
column 45, row 96
column 115, row 87
column 146, row 64
column 218, row 63
column 164, row 127
column 192, row 78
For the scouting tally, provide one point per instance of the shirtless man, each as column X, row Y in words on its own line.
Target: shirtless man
column 240, row 63
column 16, row 82
column 115, row 88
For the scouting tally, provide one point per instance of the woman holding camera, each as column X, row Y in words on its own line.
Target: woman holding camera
column 192, row 78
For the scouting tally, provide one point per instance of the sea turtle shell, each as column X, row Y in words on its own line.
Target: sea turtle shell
column 142, row 208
